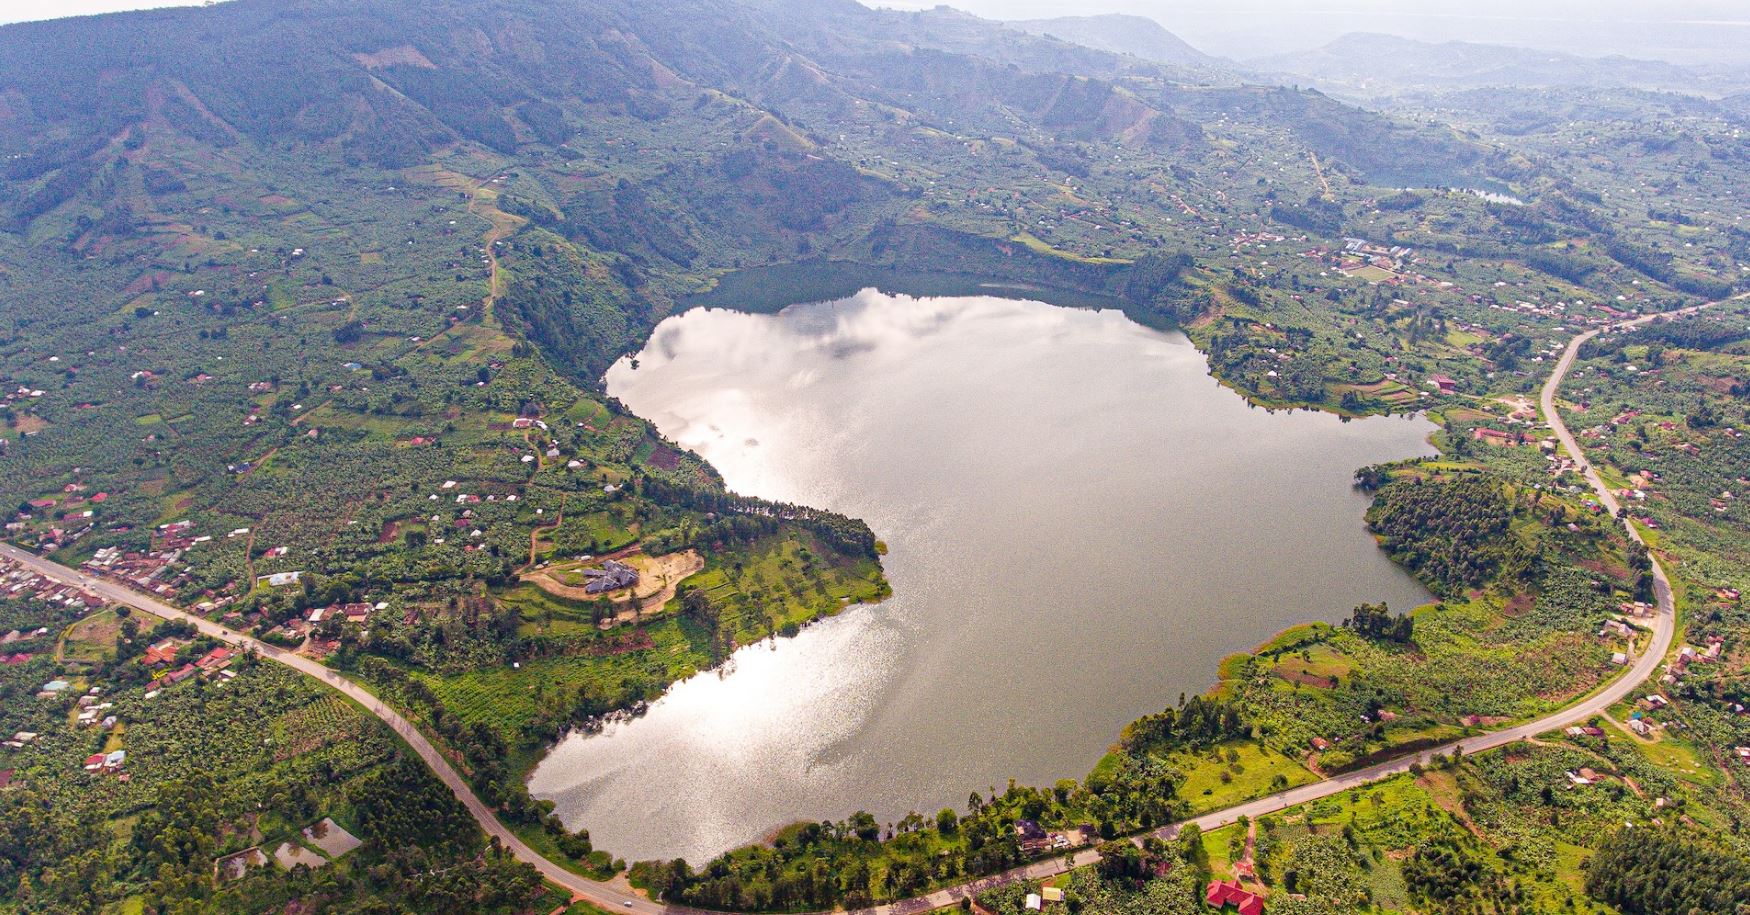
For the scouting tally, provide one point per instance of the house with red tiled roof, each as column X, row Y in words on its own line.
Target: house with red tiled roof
column 1222, row 894
column 162, row 653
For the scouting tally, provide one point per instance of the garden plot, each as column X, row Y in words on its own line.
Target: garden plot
column 290, row 855
column 331, row 838
column 234, row 867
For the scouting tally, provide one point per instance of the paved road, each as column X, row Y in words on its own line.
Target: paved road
column 614, row 897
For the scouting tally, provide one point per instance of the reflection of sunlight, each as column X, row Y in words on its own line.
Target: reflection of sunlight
column 781, row 710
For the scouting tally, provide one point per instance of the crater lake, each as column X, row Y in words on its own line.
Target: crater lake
column 1081, row 522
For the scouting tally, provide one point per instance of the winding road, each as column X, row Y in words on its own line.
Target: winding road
column 617, row 897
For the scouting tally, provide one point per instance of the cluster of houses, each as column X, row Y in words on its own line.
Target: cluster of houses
column 1497, row 437
column 356, row 614
column 156, row 570
column 466, row 523
column 93, row 711
column 20, row 583
column 1677, row 668
column 58, row 520
column 161, row 657
column 21, row 394
column 1385, row 256
column 107, row 763
column 1617, row 629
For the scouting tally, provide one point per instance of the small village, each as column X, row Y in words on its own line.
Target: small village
column 169, row 663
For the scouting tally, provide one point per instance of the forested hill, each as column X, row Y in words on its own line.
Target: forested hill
column 662, row 141
column 387, row 81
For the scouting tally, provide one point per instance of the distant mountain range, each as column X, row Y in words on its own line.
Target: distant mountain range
column 1372, row 65
column 1137, row 36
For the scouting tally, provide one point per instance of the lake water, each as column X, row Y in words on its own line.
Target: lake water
column 1081, row 522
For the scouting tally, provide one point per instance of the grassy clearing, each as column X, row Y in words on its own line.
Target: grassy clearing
column 1233, row 772
column 92, row 639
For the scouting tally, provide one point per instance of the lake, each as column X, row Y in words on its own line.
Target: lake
column 1081, row 522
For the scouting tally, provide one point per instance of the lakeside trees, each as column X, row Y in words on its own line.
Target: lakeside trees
column 1452, row 533
column 1374, row 621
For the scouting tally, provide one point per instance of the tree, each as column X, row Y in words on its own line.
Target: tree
column 1375, row 621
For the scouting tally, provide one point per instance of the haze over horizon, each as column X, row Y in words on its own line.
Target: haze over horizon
column 1682, row 31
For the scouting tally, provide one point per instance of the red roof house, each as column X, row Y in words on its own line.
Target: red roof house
column 1222, row 894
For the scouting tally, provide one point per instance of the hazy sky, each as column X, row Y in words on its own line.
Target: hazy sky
column 20, row 10
column 1681, row 30
column 1684, row 30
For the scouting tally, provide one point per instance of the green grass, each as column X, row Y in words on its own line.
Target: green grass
column 1253, row 773
column 92, row 639
column 1040, row 246
column 1215, row 846
column 1678, row 757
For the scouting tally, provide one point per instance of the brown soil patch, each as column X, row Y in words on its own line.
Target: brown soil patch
column 145, row 282
column 1304, row 678
column 664, row 458
column 29, row 425
column 1518, row 605
column 1599, row 567
column 390, row 532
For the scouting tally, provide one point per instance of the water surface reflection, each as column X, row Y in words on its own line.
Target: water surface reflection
column 1081, row 523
